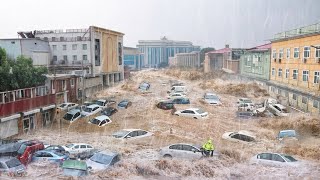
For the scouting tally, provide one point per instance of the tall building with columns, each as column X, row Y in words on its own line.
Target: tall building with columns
column 158, row 51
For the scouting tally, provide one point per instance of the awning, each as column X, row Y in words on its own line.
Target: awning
column 48, row 107
column 15, row 116
column 31, row 112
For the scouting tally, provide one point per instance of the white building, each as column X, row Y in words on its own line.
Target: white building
column 186, row 60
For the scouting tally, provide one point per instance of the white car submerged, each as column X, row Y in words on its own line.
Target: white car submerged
column 195, row 113
column 131, row 133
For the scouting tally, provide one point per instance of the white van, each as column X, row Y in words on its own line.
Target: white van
column 178, row 89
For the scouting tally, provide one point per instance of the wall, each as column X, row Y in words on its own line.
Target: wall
column 256, row 64
column 292, row 63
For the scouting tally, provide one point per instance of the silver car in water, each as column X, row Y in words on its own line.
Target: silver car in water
column 11, row 166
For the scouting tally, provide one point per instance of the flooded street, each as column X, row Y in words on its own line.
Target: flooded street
column 140, row 157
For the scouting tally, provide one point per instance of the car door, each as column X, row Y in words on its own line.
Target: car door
column 76, row 149
column 132, row 134
column 115, row 160
column 185, row 113
column 141, row 133
column 187, row 152
column 176, row 151
column 265, row 158
column 76, row 116
column 2, row 168
column 83, row 148
column 277, row 160
column 47, row 157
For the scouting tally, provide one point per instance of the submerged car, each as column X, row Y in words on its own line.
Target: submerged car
column 182, row 150
column 274, row 159
column 212, row 99
column 278, row 110
column 72, row 115
column 176, row 95
column 165, row 105
column 75, row 168
column 103, row 160
column 144, row 86
column 131, row 133
column 91, row 110
column 100, row 120
column 239, row 136
column 109, row 111
column 195, row 113
column 77, row 148
column 284, row 134
column 49, row 155
column 105, row 102
column 124, row 104
column 180, row 101
column 67, row 106
column 56, row 148
column 11, row 166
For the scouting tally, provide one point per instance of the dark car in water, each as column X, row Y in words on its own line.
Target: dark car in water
column 11, row 166
column 180, row 101
column 109, row 111
column 165, row 105
column 124, row 104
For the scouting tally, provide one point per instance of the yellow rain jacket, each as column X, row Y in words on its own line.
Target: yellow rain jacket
column 208, row 146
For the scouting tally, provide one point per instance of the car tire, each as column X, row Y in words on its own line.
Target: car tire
column 195, row 118
column 177, row 114
column 167, row 156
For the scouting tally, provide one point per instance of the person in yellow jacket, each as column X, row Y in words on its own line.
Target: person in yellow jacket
column 208, row 148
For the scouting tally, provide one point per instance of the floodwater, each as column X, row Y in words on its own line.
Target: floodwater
column 140, row 159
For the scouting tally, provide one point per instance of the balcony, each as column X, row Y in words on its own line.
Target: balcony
column 20, row 100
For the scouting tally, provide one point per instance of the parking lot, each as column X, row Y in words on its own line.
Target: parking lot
column 140, row 157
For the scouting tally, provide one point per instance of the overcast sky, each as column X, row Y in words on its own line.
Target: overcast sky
column 214, row 23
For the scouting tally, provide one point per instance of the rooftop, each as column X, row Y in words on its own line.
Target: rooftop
column 298, row 32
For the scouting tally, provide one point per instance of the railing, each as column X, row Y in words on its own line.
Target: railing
column 67, row 63
column 56, row 31
column 314, row 28
column 67, row 39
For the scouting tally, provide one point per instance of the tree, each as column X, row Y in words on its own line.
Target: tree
column 203, row 52
column 19, row 73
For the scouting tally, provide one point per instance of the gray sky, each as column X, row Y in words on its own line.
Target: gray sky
column 240, row 23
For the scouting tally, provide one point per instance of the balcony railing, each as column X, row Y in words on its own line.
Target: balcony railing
column 69, row 63
column 314, row 28
column 56, row 31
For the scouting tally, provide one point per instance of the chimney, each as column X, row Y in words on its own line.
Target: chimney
column 227, row 45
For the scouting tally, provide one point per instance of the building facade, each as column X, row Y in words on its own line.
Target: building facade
column 93, row 51
column 133, row 58
column 295, row 67
column 255, row 62
column 36, row 49
column 158, row 51
column 185, row 60
column 227, row 59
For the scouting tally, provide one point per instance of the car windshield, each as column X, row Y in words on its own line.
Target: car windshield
column 87, row 109
column 68, row 116
column 22, row 149
column 212, row 97
column 13, row 163
column 287, row 134
column 74, row 172
column 100, row 103
column 289, row 158
column 101, row 158
column 69, row 145
column 200, row 111
column 120, row 134
column 123, row 103
column 95, row 121
column 63, row 105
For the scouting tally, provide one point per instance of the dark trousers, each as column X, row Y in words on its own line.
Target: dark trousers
column 207, row 153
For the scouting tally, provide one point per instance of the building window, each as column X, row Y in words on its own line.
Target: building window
column 65, row 57
column 273, row 89
column 287, row 73
column 279, row 91
column 306, row 52
column 280, row 72
column 288, row 53
column 84, row 57
column 294, row 96
column 296, row 52
column 61, row 38
column 304, row 100
column 84, row 47
column 45, row 38
column 54, row 58
column 54, row 47
column 316, row 77
column 72, row 82
column 274, row 53
column 64, row 47
column 305, row 76
column 74, row 47
column 120, row 52
column 273, row 72
column 295, row 74
column 74, row 57
column 53, row 38
column 316, row 104
column 318, row 52
column 280, row 53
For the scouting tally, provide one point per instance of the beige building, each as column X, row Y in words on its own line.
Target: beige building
column 187, row 60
